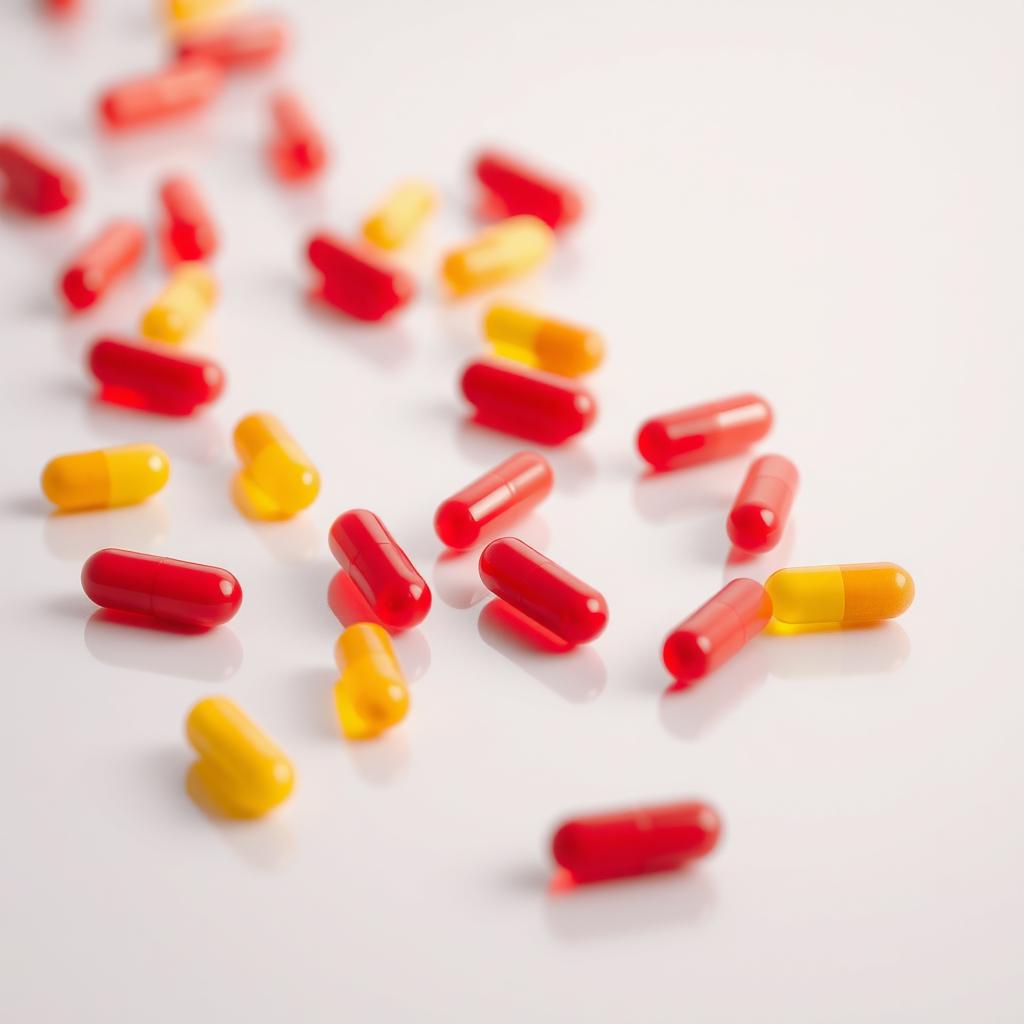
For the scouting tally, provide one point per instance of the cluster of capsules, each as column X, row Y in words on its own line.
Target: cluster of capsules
column 528, row 387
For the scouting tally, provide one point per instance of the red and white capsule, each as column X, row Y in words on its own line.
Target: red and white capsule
column 761, row 508
column 188, row 231
column 97, row 267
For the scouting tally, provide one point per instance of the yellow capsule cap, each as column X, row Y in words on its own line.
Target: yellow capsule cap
column 106, row 477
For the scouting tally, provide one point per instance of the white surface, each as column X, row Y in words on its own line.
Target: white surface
column 819, row 201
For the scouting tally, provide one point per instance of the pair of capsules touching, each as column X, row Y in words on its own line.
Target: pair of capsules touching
column 35, row 183
column 277, row 480
column 371, row 694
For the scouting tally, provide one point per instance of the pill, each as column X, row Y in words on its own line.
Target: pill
column 541, row 342
column 274, row 466
column 188, row 232
column 380, row 569
column 499, row 253
column 840, row 593
column 240, row 768
column 172, row 92
column 543, row 591
column 704, row 432
column 250, row 42
column 186, row 11
column 371, row 695
column 186, row 593
column 717, row 630
column 358, row 285
column 529, row 403
column 60, row 8
column 523, row 190
column 400, row 215
column 96, row 268
column 34, row 182
column 106, row 477
column 635, row 842
column 144, row 377
column 297, row 149
column 759, row 513
column 511, row 489
column 182, row 306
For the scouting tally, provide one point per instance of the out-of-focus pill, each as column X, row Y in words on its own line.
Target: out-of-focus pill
column 499, row 253
column 761, row 508
column 541, row 342
column 94, row 270
column 840, row 593
column 188, row 232
column 275, row 465
column 34, row 182
column 182, row 306
column 180, row 89
column 524, row 190
column 250, row 42
column 635, row 842
column 364, row 288
column 60, row 8
column 539, row 406
column 401, row 215
column 704, row 432
column 371, row 695
column 297, row 149
column 189, row 11
column 106, row 477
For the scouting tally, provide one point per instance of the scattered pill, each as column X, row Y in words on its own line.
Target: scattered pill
column 105, row 478
column 188, row 232
column 401, row 215
column 249, row 42
column 180, row 89
column 371, row 695
column 358, row 285
column 761, row 508
column 182, row 306
column 33, row 182
column 297, row 149
column 522, row 190
column 186, row 11
column 96, row 268
column 499, row 253
column 280, row 473
column 541, row 342
column 840, row 593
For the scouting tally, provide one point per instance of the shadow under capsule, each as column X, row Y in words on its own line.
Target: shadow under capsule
column 387, row 345
column 827, row 650
column 73, row 536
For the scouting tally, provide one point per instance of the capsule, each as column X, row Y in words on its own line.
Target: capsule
column 704, row 432
column 761, row 509
column 250, row 42
column 717, row 630
column 274, row 466
column 511, row 489
column 543, row 591
column 400, row 215
column 498, row 254
column 523, row 190
column 143, row 377
column 60, row 8
column 185, row 11
column 380, row 569
column 240, row 767
column 635, row 842
column 539, row 406
column 297, row 149
column 840, row 593
column 106, row 259
column 188, row 232
column 364, row 288
column 185, row 593
column 371, row 695
column 180, row 89
column 182, row 306
column 33, row 182
column 105, row 478
column 541, row 342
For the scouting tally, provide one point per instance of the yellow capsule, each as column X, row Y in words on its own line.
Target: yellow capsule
column 371, row 694
column 541, row 342
column 182, row 306
column 106, row 477
column 503, row 251
column 277, row 476
column 239, row 766
column 400, row 215
column 192, row 12
column 840, row 593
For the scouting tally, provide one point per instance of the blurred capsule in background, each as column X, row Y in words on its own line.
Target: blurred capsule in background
column 97, row 267
column 182, row 306
column 243, row 43
column 147, row 100
column 188, row 232
column 516, row 189
column 277, row 479
column 400, row 215
column 498, row 254
column 868, row 592
column 105, row 478
column 32, row 181
column 188, row 13
column 371, row 695
column 358, row 285
column 297, row 150
column 542, row 342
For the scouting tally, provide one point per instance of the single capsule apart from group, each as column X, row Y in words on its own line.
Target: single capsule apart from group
column 277, row 478
column 840, row 593
column 100, row 264
column 761, row 509
column 542, row 342
column 182, row 306
column 499, row 253
column 400, row 215
column 105, row 478
column 371, row 695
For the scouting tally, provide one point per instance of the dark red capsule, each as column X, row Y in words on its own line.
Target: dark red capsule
column 251, row 42
column 297, row 149
column 180, row 89
column 397, row 593
column 364, row 288
column 761, row 509
column 183, row 592
column 109, row 256
column 524, row 190
column 188, row 232
column 33, row 182
column 543, row 591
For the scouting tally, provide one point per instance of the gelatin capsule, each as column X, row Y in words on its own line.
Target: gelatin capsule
column 511, row 489
column 187, row 593
column 635, row 842
column 539, row 406
column 543, row 591
column 541, row 342
column 704, row 432
column 523, row 190
column 297, row 149
column 143, row 377
column 363, row 288
column 498, row 254
column 105, row 478
column 840, row 593
column 182, row 306
column 33, row 182
column 371, row 695
column 240, row 766
column 274, row 465
column 401, row 215
column 186, row 11
column 96, row 268
column 761, row 508
column 180, row 89
column 188, row 232
column 380, row 569
column 717, row 630
column 250, row 42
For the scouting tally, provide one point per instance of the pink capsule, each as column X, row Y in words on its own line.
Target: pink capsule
column 761, row 509
column 189, row 232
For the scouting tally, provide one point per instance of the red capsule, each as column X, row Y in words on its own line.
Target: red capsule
column 704, row 432
column 61, row 8
column 635, row 842
column 297, row 149
column 34, row 183
column 145, row 377
column 539, row 406
column 761, row 509
column 543, row 591
column 717, row 630
column 111, row 255
column 397, row 593
column 188, row 232
column 364, row 288
column 511, row 488
column 183, row 592
column 252, row 42
column 520, row 189
column 177, row 90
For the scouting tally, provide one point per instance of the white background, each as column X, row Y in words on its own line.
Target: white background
column 822, row 202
